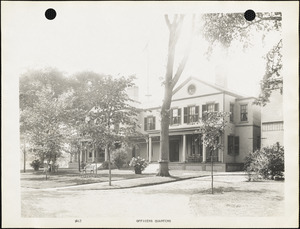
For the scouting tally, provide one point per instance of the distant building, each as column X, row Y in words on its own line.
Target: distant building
column 190, row 100
column 272, row 120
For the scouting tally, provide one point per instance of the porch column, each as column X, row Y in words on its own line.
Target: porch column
column 81, row 153
column 86, row 155
column 183, row 147
column 106, row 154
column 204, row 152
column 147, row 150
column 93, row 154
column 150, row 149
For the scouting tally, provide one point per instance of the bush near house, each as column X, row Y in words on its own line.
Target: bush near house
column 119, row 157
column 139, row 164
column 35, row 164
column 267, row 163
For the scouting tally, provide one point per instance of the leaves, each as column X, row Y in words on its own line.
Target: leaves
column 56, row 112
column 212, row 126
column 272, row 79
column 227, row 27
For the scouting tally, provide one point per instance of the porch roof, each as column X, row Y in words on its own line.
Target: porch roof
column 177, row 131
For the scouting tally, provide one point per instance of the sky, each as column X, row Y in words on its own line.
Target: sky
column 122, row 41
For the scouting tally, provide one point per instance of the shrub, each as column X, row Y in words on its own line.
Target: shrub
column 119, row 157
column 138, row 163
column 266, row 163
column 105, row 165
column 35, row 164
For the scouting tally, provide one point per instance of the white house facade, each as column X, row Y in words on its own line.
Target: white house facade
column 190, row 100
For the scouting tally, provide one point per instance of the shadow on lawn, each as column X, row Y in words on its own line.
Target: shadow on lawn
column 222, row 190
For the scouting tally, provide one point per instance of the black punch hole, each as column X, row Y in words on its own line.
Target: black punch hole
column 249, row 15
column 50, row 14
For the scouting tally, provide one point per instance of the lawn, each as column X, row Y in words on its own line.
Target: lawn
column 263, row 198
column 67, row 177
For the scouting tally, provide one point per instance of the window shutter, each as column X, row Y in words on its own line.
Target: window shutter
column 145, row 123
column 171, row 116
column 185, row 114
column 236, row 145
column 216, row 107
column 188, row 115
column 204, row 108
column 197, row 113
column 179, row 116
column 154, row 123
column 230, row 144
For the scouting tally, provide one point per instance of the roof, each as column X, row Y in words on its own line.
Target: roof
column 230, row 92
column 221, row 89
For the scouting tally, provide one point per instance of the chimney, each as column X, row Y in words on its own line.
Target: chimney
column 133, row 93
column 221, row 76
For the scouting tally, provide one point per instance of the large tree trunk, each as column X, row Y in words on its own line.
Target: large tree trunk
column 165, row 110
column 164, row 134
column 170, row 82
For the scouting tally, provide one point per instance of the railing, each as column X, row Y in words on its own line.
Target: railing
column 195, row 158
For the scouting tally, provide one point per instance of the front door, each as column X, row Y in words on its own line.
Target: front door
column 174, row 150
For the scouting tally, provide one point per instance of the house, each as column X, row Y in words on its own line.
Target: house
column 272, row 120
column 190, row 100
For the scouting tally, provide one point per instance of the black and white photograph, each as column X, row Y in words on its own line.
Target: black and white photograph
column 150, row 114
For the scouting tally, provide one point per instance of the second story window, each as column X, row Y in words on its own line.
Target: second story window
column 210, row 107
column 244, row 112
column 175, row 116
column 149, row 123
column 231, row 112
column 191, row 114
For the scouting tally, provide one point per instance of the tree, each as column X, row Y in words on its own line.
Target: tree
column 44, row 102
column 272, row 79
column 216, row 28
column 225, row 28
column 110, row 119
column 170, row 81
column 212, row 127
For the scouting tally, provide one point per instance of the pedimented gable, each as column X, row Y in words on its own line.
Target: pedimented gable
column 193, row 87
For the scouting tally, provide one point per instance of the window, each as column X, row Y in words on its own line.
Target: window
column 149, row 123
column 244, row 112
column 175, row 116
column 272, row 126
column 233, row 145
column 191, row 89
column 210, row 107
column 191, row 114
column 231, row 112
column 196, row 145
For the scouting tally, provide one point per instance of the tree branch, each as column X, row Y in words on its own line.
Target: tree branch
column 167, row 21
column 185, row 58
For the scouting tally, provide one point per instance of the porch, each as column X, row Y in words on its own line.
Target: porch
column 206, row 166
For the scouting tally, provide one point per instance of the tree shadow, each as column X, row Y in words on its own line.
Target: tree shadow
column 222, row 190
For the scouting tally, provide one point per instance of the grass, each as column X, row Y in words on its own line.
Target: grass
column 243, row 199
column 66, row 177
